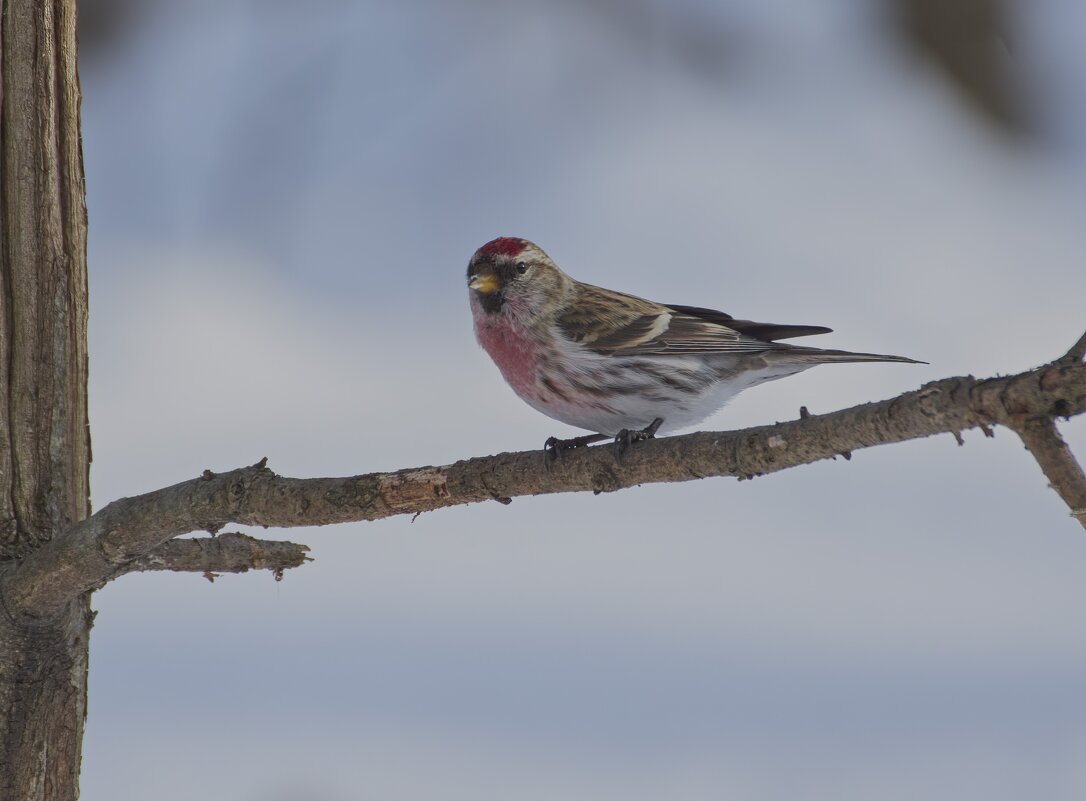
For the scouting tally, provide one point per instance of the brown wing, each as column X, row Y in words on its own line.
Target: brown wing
column 613, row 323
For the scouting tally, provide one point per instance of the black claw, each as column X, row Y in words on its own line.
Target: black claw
column 622, row 442
column 553, row 447
column 550, row 449
column 626, row 437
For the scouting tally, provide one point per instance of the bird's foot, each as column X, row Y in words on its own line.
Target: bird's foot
column 626, row 437
column 553, row 447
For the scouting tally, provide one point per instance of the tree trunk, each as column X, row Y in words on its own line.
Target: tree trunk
column 44, row 439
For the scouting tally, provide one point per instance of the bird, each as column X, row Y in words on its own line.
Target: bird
column 618, row 365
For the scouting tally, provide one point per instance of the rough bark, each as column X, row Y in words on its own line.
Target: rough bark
column 44, row 443
column 1042, row 439
column 126, row 531
column 231, row 552
column 1064, row 474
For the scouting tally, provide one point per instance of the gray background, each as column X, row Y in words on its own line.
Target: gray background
column 282, row 199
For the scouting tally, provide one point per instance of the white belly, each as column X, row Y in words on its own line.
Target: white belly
column 605, row 394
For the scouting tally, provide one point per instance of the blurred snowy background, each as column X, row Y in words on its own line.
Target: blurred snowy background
column 282, row 199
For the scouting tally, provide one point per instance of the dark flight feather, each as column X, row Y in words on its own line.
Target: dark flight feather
column 768, row 332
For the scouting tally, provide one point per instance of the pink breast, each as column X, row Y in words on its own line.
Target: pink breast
column 511, row 350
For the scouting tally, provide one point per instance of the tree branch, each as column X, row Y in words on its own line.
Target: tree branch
column 230, row 552
column 1077, row 351
column 95, row 550
column 1043, row 440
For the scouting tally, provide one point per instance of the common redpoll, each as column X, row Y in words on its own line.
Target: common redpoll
column 616, row 364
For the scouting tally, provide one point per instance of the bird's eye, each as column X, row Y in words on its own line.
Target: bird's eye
column 522, row 267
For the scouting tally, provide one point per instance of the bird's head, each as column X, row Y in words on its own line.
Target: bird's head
column 515, row 277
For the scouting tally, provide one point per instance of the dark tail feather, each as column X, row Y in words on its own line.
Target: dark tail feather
column 819, row 355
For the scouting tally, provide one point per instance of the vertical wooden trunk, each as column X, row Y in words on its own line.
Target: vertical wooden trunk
column 44, row 441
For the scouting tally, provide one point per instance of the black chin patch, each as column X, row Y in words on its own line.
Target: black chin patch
column 492, row 302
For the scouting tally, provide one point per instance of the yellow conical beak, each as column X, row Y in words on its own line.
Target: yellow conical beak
column 484, row 284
